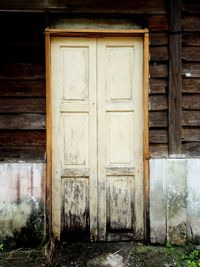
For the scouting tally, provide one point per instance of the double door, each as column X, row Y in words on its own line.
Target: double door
column 97, row 137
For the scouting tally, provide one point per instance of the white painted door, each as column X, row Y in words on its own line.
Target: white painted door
column 97, row 138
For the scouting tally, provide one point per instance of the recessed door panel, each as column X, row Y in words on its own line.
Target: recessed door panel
column 75, row 72
column 120, row 82
column 75, row 206
column 76, row 139
column 120, row 138
column 120, row 208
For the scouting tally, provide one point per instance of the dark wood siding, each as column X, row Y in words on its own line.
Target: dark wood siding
column 87, row 6
column 159, row 65
column 190, row 26
column 22, row 87
column 22, row 71
column 158, row 85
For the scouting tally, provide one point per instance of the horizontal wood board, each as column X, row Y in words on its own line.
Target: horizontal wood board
column 190, row 32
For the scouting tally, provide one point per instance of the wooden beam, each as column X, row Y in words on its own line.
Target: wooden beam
column 48, row 139
column 87, row 6
column 95, row 32
column 146, row 138
column 175, row 78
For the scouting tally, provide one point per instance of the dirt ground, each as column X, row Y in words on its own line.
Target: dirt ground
column 22, row 258
column 113, row 254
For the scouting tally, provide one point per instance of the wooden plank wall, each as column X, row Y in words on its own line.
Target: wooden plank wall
column 22, row 87
column 190, row 105
column 190, row 25
column 175, row 79
column 87, row 6
column 22, row 66
column 158, row 84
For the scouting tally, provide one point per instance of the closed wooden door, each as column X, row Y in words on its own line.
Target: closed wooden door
column 97, row 138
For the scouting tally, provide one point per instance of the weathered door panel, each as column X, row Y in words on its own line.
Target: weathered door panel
column 120, row 143
column 74, row 131
column 97, row 137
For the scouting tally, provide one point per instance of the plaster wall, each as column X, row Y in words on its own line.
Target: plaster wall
column 174, row 200
column 22, row 204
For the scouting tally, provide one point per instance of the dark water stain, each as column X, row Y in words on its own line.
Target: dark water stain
column 32, row 234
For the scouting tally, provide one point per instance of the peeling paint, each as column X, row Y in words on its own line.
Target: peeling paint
column 13, row 217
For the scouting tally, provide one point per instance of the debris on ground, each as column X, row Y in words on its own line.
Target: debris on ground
column 108, row 260
column 108, row 254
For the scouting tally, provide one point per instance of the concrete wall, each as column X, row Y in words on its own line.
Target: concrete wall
column 174, row 200
column 22, row 197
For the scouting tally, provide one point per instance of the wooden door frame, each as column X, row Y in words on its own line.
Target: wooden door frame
column 95, row 33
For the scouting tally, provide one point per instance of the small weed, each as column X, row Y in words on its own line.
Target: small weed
column 1, row 247
column 192, row 259
column 189, row 259
column 168, row 244
column 1, row 250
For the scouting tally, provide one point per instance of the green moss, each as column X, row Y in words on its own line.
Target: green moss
column 170, row 255
column 144, row 249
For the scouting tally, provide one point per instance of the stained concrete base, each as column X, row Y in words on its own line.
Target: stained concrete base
column 22, row 203
column 174, row 201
